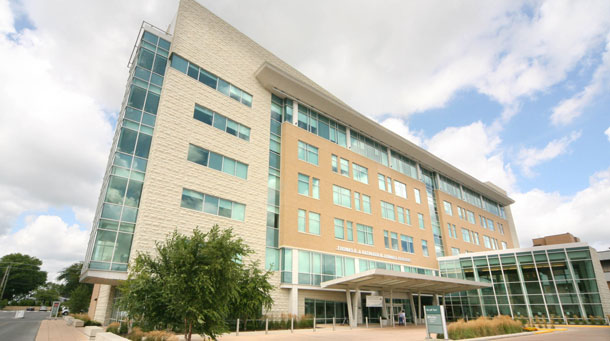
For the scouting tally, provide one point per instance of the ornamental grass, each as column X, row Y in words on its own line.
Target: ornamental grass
column 483, row 326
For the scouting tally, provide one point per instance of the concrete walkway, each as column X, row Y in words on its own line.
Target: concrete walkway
column 342, row 333
column 57, row 330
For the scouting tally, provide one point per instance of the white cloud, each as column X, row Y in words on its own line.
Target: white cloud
column 49, row 238
column 476, row 150
column 399, row 126
column 585, row 214
column 567, row 110
column 531, row 157
column 412, row 56
column 607, row 132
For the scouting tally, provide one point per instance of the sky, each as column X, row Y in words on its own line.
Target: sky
column 512, row 92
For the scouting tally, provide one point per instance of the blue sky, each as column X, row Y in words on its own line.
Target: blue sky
column 513, row 92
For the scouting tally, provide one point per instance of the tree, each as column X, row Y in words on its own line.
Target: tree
column 191, row 282
column 254, row 294
column 80, row 298
column 46, row 294
column 70, row 277
column 25, row 274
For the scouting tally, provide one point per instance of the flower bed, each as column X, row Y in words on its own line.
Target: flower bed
column 483, row 326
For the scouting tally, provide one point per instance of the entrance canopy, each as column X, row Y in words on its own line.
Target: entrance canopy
column 382, row 280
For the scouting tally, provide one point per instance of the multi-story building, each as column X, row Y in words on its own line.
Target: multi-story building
column 604, row 258
column 563, row 238
column 214, row 129
column 560, row 282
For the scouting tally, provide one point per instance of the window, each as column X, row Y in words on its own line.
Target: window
column 339, row 230
column 447, row 206
column 400, row 213
column 420, row 220
column 452, row 231
column 315, row 188
column 475, row 237
column 350, row 231
column 216, row 161
column 471, row 218
column 210, row 80
column 389, row 186
column 465, row 235
column 387, row 210
column 302, row 220
column 455, row 251
column 490, row 224
column 334, row 164
column 303, row 184
column 483, row 221
column 408, row 214
column 424, row 248
column 487, row 242
column 461, row 213
column 365, row 234
column 360, row 173
column 314, row 222
column 386, row 239
column 321, row 125
column 308, row 153
column 394, row 239
column 368, row 148
column 213, row 205
column 494, row 243
column 504, row 246
column 381, row 181
column 501, row 228
column 400, row 189
column 344, row 167
column 364, row 205
column 406, row 243
column 221, row 122
column 341, row 196
column 417, row 196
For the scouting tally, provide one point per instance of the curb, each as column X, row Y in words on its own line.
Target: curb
column 505, row 336
column 579, row 326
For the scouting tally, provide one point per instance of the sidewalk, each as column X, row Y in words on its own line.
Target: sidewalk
column 343, row 333
column 57, row 330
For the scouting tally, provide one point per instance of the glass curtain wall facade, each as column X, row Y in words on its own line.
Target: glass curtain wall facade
column 429, row 180
column 115, row 221
column 558, row 284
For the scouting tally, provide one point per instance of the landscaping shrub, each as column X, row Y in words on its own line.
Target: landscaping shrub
column 136, row 334
column 113, row 328
column 482, row 326
column 160, row 335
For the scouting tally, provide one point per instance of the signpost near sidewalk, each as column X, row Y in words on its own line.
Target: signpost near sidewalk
column 54, row 309
column 435, row 320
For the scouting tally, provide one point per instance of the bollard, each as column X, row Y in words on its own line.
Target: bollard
column 266, row 326
column 237, row 328
column 380, row 322
column 367, row 321
column 333, row 324
column 314, row 324
column 292, row 324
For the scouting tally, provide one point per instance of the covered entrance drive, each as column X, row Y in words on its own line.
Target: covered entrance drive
column 394, row 282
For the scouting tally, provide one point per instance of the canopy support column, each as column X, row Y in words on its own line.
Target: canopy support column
column 413, row 311
column 350, row 313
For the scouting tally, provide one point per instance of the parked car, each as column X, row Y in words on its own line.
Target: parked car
column 29, row 309
column 65, row 311
column 42, row 308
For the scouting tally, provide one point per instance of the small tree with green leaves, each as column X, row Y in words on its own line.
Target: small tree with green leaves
column 254, row 294
column 191, row 281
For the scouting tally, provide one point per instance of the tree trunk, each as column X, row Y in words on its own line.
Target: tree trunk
column 245, row 323
column 186, row 331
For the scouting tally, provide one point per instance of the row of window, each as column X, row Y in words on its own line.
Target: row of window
column 308, row 223
column 212, row 205
column 454, row 189
column 307, row 186
column 468, row 215
column 341, row 165
column 210, row 80
column 322, row 126
column 308, row 153
column 400, row 189
column 221, row 122
column 216, row 161
column 390, row 240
